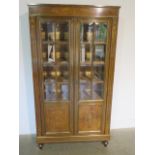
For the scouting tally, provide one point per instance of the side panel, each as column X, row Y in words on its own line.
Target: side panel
column 33, row 35
column 111, row 73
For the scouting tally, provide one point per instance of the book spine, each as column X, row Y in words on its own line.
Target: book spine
column 83, row 54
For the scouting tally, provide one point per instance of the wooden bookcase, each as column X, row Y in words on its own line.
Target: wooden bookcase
column 73, row 56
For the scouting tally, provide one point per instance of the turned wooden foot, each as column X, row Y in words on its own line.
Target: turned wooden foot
column 105, row 143
column 40, row 146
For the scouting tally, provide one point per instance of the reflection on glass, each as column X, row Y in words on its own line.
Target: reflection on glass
column 85, row 90
column 97, row 91
column 63, row 92
column 50, row 90
column 98, row 72
column 55, row 91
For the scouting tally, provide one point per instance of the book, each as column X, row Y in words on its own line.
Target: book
column 83, row 59
column 51, row 53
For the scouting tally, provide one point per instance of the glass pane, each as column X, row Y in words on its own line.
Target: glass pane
column 93, row 38
column 86, row 53
column 62, row 53
column 101, row 32
column 97, row 91
column 86, row 32
column 62, row 31
column 86, row 57
column 85, row 90
column 85, row 73
column 47, row 31
column 51, row 31
column 50, row 90
column 63, row 93
column 100, row 53
column 55, row 58
column 98, row 73
column 49, row 83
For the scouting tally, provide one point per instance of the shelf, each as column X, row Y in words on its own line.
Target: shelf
column 99, row 43
column 54, row 82
column 55, row 42
column 98, row 63
column 94, row 81
column 85, row 80
column 48, row 64
column 96, row 42
column 86, row 42
column 94, row 63
column 85, row 63
column 62, row 80
column 98, row 81
column 57, row 101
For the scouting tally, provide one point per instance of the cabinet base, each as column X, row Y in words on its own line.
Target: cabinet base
column 72, row 138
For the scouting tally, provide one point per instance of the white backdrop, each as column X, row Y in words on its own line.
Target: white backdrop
column 123, row 93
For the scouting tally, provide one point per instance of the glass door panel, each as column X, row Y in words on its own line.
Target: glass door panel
column 97, row 91
column 98, row 71
column 62, row 31
column 86, row 32
column 92, row 54
column 99, row 53
column 100, row 32
column 100, row 43
column 55, row 60
column 86, row 56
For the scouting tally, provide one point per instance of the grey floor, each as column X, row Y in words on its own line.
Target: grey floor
column 122, row 143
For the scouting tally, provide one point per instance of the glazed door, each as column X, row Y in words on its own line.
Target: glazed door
column 73, row 73
column 55, row 67
column 92, row 55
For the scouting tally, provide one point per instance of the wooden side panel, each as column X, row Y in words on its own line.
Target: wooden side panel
column 34, row 54
column 56, row 118
column 111, row 74
column 89, row 117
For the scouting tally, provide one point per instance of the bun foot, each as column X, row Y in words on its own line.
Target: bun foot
column 40, row 146
column 105, row 143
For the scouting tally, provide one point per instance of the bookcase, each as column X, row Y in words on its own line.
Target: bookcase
column 73, row 57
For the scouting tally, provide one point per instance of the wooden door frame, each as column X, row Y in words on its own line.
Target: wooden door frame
column 40, row 69
column 77, row 22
